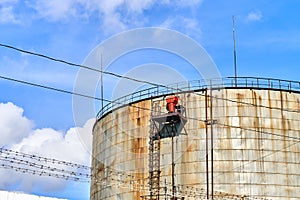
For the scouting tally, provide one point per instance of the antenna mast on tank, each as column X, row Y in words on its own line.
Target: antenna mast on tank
column 234, row 52
column 101, row 82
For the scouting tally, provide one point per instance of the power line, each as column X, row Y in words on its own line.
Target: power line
column 256, row 105
column 52, row 88
column 248, row 129
column 257, row 159
column 260, row 131
column 77, row 65
column 64, row 91
column 116, row 102
column 112, row 74
column 122, row 104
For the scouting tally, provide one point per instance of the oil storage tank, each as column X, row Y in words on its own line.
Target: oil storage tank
column 235, row 138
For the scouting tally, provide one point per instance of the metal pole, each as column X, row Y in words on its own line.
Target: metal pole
column 211, row 142
column 102, row 104
column 166, row 189
column 234, row 52
column 206, row 145
column 173, row 165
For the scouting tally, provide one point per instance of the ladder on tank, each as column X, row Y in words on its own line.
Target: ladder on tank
column 154, row 155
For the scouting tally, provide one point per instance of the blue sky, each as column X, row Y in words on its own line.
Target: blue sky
column 267, row 37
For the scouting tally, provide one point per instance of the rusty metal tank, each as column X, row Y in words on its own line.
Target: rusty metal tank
column 253, row 154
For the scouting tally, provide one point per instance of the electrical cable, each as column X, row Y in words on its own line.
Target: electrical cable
column 257, row 159
column 77, row 65
column 64, row 91
column 116, row 75
column 260, row 131
column 96, row 98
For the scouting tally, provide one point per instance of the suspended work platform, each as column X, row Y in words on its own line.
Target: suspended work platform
column 169, row 124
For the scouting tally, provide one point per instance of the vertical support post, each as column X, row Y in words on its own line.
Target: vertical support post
column 166, row 189
column 211, row 142
column 173, row 165
column 206, row 144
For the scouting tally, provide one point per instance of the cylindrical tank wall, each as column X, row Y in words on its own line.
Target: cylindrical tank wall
column 255, row 148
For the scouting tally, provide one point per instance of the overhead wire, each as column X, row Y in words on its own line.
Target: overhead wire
column 64, row 91
column 260, row 131
column 256, row 105
column 110, row 101
column 116, row 75
column 257, row 159
column 77, row 65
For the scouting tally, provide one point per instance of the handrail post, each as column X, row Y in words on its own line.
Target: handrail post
column 279, row 84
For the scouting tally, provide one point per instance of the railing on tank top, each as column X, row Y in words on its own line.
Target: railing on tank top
column 197, row 85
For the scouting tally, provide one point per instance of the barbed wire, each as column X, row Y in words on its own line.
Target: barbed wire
column 43, row 166
column 41, row 158
column 42, row 173
column 14, row 160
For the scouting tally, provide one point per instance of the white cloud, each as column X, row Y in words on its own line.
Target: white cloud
column 8, row 1
column 7, row 15
column 55, row 9
column 13, row 125
column 115, row 15
column 112, row 23
column 17, row 133
column 20, row 196
column 189, row 3
column 189, row 26
column 138, row 5
column 254, row 16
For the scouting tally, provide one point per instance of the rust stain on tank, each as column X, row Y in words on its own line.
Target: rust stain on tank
column 246, row 162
